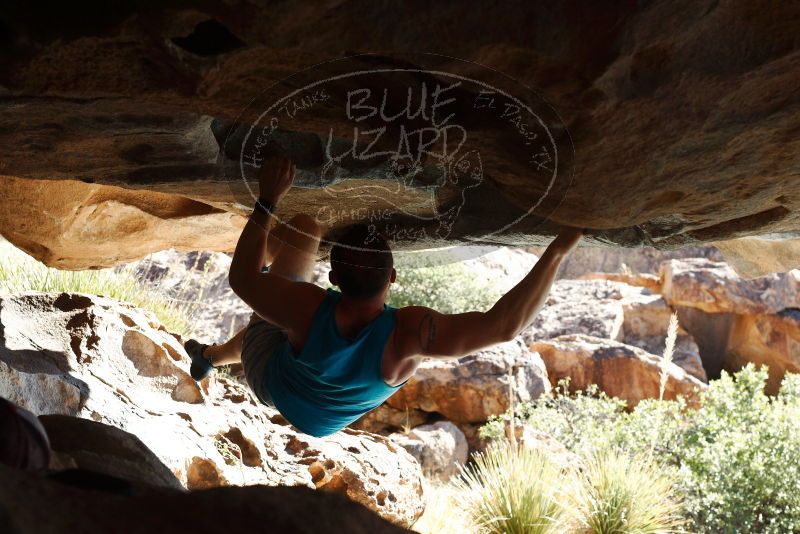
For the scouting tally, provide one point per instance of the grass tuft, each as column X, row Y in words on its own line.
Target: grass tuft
column 617, row 493
column 505, row 492
column 20, row 272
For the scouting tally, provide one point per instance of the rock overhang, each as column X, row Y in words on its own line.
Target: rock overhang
column 676, row 142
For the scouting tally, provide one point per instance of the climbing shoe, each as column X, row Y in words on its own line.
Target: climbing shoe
column 201, row 366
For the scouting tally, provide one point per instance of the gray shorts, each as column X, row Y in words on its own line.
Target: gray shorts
column 260, row 339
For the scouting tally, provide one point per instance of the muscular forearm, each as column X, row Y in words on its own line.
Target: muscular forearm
column 249, row 255
column 516, row 309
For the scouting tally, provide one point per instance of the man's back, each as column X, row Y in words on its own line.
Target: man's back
column 333, row 379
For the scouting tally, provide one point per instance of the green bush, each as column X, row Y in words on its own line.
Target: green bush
column 448, row 288
column 737, row 457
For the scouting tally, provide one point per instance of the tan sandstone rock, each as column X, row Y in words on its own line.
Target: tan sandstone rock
column 440, row 448
column 75, row 225
column 472, row 388
column 645, row 280
column 616, row 311
column 619, row 370
column 714, row 287
column 385, row 418
column 689, row 120
column 110, row 362
column 772, row 340
column 752, row 257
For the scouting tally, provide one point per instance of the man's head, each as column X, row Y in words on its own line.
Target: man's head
column 361, row 264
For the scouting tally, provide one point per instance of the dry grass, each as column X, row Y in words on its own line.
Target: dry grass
column 20, row 272
column 443, row 514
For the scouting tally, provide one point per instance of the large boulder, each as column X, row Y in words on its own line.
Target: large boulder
column 91, row 225
column 440, row 448
column 752, row 257
column 32, row 504
column 128, row 95
column 475, row 387
column 620, row 370
column 104, row 360
column 83, row 444
column 772, row 340
column 714, row 287
column 610, row 309
column 385, row 419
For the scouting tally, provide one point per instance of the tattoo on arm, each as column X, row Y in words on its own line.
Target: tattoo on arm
column 427, row 332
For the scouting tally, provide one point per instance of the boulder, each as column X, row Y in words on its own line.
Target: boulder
column 32, row 504
column 90, row 225
column 613, row 310
column 107, row 361
column 645, row 324
column 714, row 287
column 384, row 419
column 472, row 388
column 84, row 444
column 620, row 370
column 753, row 257
column 591, row 307
column 772, row 340
column 197, row 277
column 646, row 280
column 440, row 448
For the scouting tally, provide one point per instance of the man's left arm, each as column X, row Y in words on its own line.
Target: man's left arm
column 273, row 297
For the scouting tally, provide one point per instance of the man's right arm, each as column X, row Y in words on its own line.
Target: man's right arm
column 427, row 333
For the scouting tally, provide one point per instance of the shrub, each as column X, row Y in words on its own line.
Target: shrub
column 619, row 493
column 582, row 422
column 448, row 288
column 505, row 492
column 740, row 457
column 736, row 457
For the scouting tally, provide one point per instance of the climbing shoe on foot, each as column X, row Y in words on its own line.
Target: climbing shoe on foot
column 201, row 366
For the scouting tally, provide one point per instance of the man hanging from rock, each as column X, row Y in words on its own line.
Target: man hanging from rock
column 324, row 358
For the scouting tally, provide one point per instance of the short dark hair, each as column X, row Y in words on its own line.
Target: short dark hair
column 362, row 262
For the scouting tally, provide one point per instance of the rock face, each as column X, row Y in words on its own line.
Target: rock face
column 141, row 97
column 619, row 370
column 100, row 359
column 472, row 388
column 715, row 288
column 81, row 443
column 90, row 225
column 31, row 504
column 613, row 310
column 737, row 321
column 440, row 448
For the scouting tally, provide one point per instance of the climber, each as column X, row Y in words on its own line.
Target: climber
column 323, row 358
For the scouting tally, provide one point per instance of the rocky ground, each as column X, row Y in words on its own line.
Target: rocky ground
column 107, row 362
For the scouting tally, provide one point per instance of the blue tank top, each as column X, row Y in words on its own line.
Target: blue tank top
column 334, row 380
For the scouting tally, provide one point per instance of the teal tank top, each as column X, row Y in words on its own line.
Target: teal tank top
column 334, row 380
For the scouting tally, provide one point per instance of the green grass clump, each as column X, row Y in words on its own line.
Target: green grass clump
column 19, row 273
column 618, row 493
column 508, row 492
